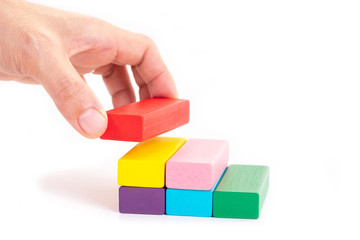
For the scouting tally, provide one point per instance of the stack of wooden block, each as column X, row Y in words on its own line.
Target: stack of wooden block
column 175, row 176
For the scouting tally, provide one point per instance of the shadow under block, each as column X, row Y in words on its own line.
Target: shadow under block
column 241, row 192
column 197, row 165
column 146, row 119
column 195, row 203
column 144, row 165
column 142, row 200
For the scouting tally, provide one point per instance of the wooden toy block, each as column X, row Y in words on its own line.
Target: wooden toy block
column 144, row 165
column 146, row 119
column 196, row 203
column 197, row 165
column 241, row 192
column 142, row 200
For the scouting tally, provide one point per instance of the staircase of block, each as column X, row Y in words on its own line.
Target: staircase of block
column 178, row 176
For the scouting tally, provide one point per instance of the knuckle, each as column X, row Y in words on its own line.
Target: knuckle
column 38, row 39
column 147, row 47
column 35, row 50
column 148, row 41
column 66, row 90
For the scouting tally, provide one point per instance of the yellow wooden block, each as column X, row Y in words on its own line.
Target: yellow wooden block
column 144, row 165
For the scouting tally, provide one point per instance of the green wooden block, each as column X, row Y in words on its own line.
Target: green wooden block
column 241, row 192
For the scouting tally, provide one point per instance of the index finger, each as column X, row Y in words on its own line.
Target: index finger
column 150, row 72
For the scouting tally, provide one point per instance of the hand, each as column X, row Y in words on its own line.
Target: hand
column 55, row 48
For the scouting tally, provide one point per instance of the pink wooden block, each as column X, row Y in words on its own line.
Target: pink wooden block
column 197, row 165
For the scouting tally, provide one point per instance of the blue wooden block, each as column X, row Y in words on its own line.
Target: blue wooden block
column 196, row 203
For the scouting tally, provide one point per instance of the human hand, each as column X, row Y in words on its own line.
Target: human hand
column 55, row 48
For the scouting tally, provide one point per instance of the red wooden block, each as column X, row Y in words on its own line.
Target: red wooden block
column 146, row 119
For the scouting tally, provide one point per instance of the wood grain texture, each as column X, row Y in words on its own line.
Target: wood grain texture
column 144, row 165
column 241, row 192
column 140, row 200
column 196, row 203
column 198, row 164
column 146, row 119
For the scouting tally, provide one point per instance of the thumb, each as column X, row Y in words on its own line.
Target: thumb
column 73, row 97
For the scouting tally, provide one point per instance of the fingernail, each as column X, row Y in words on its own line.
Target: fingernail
column 92, row 122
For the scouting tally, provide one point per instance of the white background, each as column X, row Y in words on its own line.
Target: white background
column 278, row 79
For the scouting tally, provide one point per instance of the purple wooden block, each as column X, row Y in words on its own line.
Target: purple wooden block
column 142, row 200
